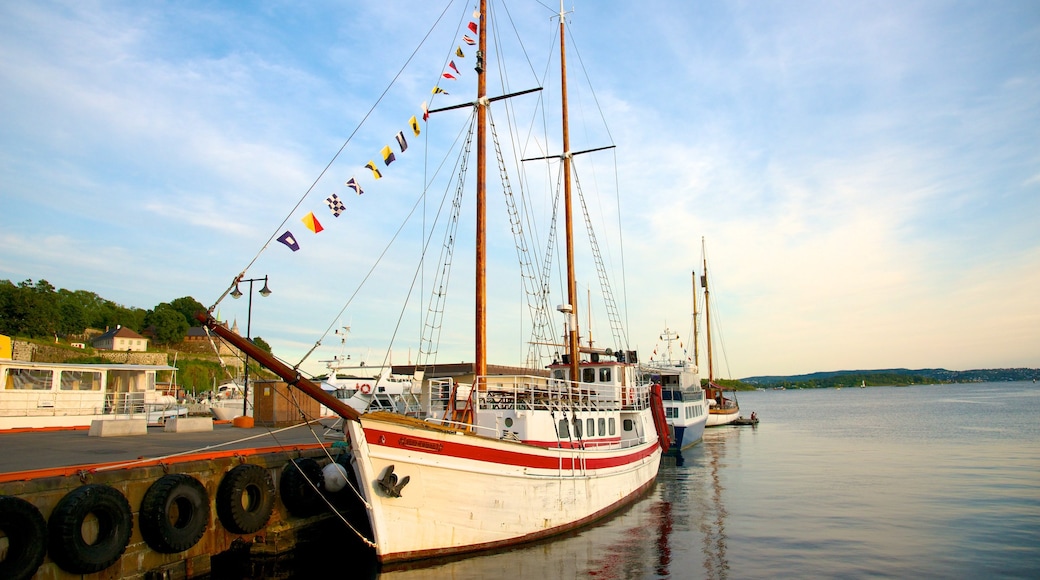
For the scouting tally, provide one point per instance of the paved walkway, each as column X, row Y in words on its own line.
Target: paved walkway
column 55, row 449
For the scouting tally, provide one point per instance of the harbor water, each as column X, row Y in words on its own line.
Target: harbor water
column 931, row 481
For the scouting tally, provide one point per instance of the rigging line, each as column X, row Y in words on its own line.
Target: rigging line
column 621, row 241
column 588, row 80
column 416, row 276
column 381, row 255
column 350, row 137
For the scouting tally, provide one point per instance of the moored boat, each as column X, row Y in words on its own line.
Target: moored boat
column 58, row 395
column 504, row 459
column 722, row 410
column 685, row 405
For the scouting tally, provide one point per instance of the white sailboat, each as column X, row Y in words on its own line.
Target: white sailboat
column 505, row 459
column 722, row 410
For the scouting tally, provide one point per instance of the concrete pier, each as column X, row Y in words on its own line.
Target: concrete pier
column 42, row 468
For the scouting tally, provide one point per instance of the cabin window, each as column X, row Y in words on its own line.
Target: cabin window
column 590, row 427
column 80, row 381
column 588, row 375
column 558, row 374
column 604, row 375
column 565, row 432
column 577, row 428
column 29, row 379
column 671, row 413
column 666, row 395
column 628, row 425
column 602, row 427
column 509, row 421
column 613, row 427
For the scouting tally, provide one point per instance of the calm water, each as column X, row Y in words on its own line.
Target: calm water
column 922, row 481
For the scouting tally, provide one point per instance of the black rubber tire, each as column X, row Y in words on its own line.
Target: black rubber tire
column 174, row 513
column 26, row 531
column 69, row 550
column 245, row 499
column 297, row 493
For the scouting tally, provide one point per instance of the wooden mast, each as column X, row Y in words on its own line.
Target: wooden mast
column 572, row 284
column 696, row 330
column 480, row 334
column 707, row 313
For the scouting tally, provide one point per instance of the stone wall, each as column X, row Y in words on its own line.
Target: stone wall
column 30, row 351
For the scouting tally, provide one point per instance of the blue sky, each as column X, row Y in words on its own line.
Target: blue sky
column 866, row 175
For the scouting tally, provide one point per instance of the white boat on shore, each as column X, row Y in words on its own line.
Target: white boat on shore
column 36, row 395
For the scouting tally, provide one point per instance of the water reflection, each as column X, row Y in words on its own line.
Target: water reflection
column 713, row 521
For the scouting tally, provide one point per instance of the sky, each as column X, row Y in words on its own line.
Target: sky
column 865, row 175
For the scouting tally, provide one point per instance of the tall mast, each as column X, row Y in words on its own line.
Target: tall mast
column 480, row 336
column 696, row 329
column 707, row 312
column 572, row 285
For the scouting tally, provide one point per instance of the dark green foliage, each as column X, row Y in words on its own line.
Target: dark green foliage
column 38, row 310
column 261, row 343
column 168, row 325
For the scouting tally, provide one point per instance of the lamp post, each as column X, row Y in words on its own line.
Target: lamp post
column 236, row 294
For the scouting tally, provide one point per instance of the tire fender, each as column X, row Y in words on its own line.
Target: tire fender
column 295, row 488
column 174, row 513
column 26, row 532
column 245, row 499
column 68, row 547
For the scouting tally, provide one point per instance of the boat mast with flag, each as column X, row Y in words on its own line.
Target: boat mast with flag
column 548, row 452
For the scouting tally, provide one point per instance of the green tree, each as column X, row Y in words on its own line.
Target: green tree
column 188, row 307
column 168, row 325
column 261, row 343
column 29, row 309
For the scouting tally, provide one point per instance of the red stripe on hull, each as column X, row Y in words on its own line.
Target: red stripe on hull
column 379, row 438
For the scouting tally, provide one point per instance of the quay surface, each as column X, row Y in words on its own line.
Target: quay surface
column 45, row 467
column 72, row 450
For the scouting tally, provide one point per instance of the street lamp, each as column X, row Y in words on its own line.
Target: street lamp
column 236, row 294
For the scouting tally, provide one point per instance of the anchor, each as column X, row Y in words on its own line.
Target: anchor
column 389, row 483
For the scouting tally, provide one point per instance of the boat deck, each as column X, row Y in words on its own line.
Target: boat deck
column 69, row 449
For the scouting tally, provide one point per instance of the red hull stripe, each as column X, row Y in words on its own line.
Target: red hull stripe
column 489, row 455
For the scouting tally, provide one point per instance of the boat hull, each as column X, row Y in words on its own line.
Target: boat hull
column 686, row 436
column 722, row 417
column 446, row 508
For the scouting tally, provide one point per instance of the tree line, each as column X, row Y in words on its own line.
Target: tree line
column 39, row 310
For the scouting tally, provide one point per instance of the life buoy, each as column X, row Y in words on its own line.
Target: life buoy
column 366, row 388
column 174, row 513
column 297, row 493
column 26, row 532
column 245, row 499
column 68, row 547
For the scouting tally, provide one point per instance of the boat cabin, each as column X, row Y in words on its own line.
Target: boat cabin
column 68, row 395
